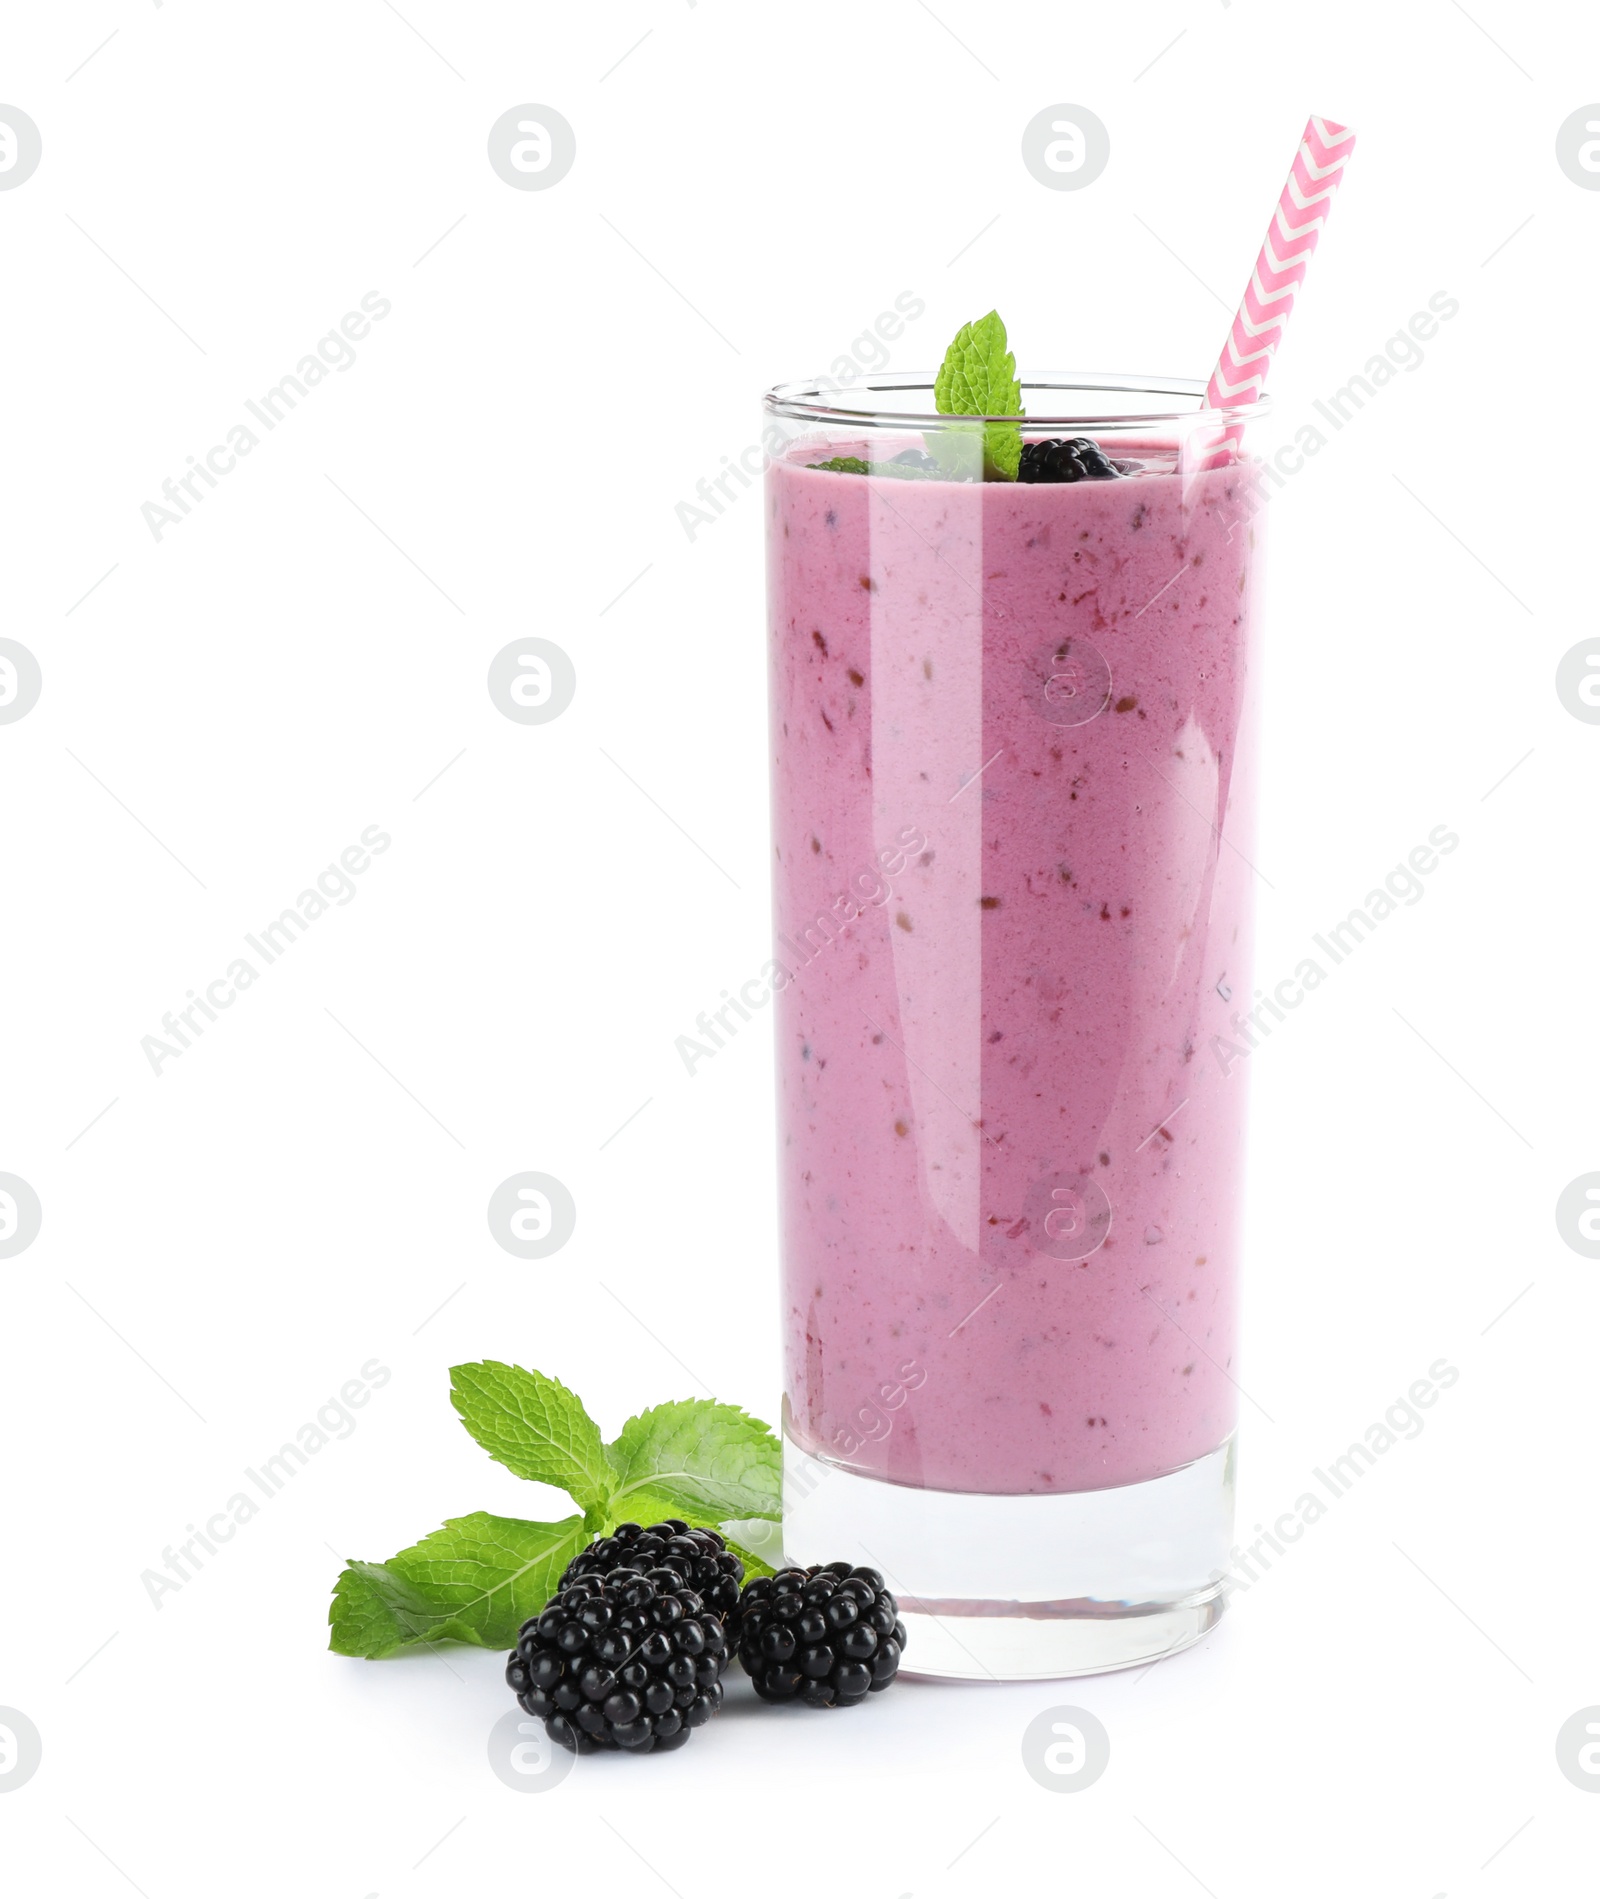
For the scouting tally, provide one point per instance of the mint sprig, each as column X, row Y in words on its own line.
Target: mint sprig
column 535, row 1427
column 708, row 1460
column 478, row 1578
column 978, row 377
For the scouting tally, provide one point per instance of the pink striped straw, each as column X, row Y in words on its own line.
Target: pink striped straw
column 1269, row 296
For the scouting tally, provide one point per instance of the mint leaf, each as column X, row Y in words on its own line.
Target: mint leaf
column 535, row 1427
column 695, row 1456
column 978, row 377
column 979, row 374
column 854, row 465
column 477, row 1579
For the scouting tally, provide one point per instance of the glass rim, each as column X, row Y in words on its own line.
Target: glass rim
column 808, row 400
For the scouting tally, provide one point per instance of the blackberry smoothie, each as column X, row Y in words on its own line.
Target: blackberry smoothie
column 1012, row 791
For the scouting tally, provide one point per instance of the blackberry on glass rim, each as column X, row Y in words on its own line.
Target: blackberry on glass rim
column 828, row 1636
column 1074, row 458
column 627, row 1660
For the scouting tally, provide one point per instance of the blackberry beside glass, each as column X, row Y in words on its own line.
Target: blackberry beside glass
column 700, row 1557
column 827, row 1636
column 627, row 1660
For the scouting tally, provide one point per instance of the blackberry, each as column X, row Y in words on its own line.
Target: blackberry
column 829, row 1636
column 1077, row 458
column 914, row 458
column 700, row 1557
column 631, row 1660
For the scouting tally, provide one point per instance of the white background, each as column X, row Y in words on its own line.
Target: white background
column 305, row 1188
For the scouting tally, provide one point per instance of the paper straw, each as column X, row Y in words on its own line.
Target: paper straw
column 1269, row 296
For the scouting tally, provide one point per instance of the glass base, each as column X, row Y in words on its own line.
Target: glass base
column 1026, row 1588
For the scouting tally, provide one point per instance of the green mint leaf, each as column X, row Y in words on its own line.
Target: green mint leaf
column 978, row 377
column 477, row 1579
column 535, row 1427
column 958, row 450
column 854, row 465
column 646, row 1506
column 695, row 1456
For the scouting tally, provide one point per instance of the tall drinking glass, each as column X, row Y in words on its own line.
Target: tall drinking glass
column 1013, row 789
